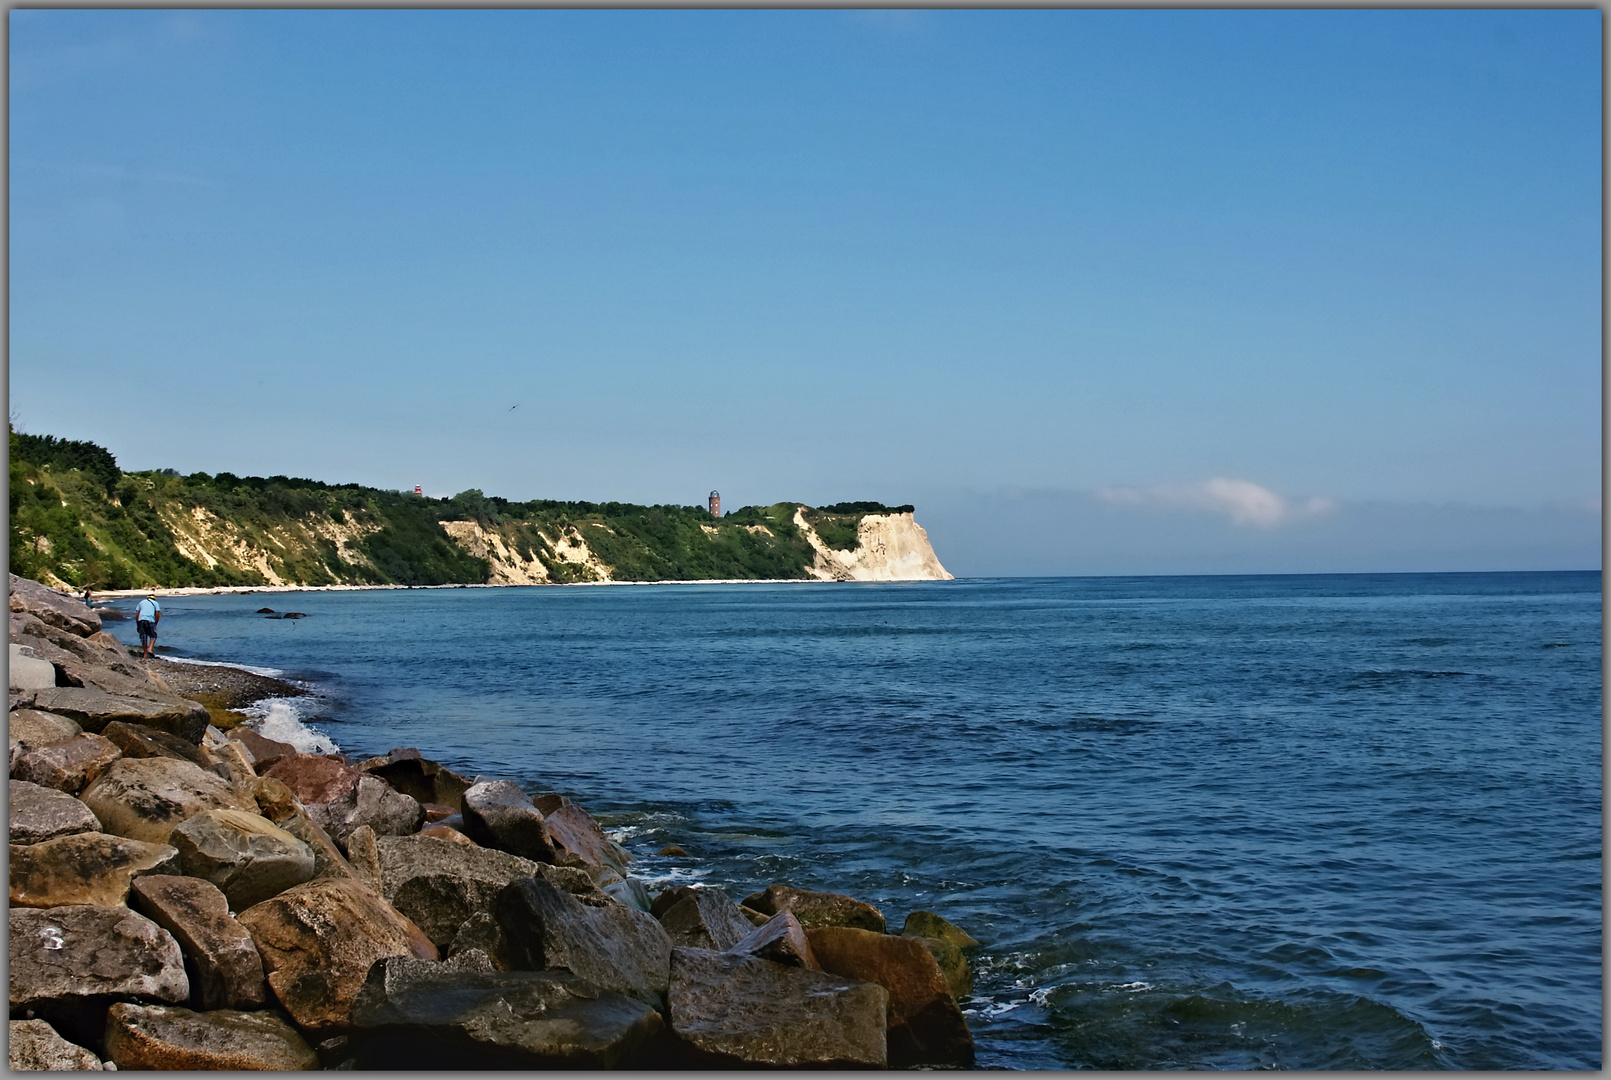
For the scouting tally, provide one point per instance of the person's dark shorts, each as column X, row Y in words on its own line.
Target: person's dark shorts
column 148, row 630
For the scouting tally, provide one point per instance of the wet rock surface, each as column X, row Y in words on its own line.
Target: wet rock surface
column 815, row 909
column 741, row 1011
column 165, row 1037
column 84, row 868
column 925, row 1025
column 706, row 919
column 613, row 946
column 221, row 962
column 412, row 1014
column 42, row 813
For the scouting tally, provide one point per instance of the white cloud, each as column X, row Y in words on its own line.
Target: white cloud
column 1245, row 502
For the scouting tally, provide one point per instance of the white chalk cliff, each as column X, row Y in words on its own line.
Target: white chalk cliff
column 892, row 547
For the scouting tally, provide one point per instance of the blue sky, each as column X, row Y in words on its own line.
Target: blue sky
column 1223, row 280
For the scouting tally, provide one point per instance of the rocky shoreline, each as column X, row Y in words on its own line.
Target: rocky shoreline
column 187, row 894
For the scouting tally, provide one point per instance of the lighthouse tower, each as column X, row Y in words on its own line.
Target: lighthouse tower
column 716, row 504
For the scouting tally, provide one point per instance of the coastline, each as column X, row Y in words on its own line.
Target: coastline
column 125, row 594
column 230, row 901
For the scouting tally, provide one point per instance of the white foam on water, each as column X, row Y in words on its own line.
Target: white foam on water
column 278, row 718
column 676, row 875
column 273, row 673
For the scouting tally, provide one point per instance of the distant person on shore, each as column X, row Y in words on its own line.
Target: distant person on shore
column 146, row 617
column 89, row 597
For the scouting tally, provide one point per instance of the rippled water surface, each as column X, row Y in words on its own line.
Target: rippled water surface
column 1309, row 822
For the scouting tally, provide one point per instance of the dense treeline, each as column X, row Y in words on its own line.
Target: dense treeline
column 78, row 519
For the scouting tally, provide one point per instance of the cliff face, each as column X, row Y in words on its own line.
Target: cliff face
column 890, row 547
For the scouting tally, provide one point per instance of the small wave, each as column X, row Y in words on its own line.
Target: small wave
column 278, row 719
column 273, row 673
column 676, row 875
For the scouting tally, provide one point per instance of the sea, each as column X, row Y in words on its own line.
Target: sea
column 1306, row 822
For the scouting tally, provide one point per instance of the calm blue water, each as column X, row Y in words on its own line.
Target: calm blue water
column 1308, row 822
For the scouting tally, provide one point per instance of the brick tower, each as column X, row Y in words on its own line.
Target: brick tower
column 716, row 504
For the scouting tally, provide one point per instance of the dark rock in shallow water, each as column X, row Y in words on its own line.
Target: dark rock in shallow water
column 265, row 611
column 164, row 1038
column 742, row 1011
column 41, row 813
column 929, row 925
column 706, row 919
column 416, row 1015
column 925, row 1025
column 69, row 963
column 815, row 909
column 672, row 850
column 578, row 840
column 221, row 962
column 611, row 945
column 497, row 814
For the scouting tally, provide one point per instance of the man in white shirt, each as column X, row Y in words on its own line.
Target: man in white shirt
column 146, row 617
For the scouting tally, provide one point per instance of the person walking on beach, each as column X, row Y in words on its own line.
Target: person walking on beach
column 146, row 617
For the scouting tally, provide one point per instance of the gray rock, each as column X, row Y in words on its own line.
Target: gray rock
column 94, row 709
column 369, row 802
column 632, row 892
column 498, row 815
column 140, row 741
column 780, row 939
column 144, row 798
column 413, row 1014
column 816, row 909
column 421, row 779
column 67, row 766
column 705, row 919
column 166, row 1038
column 440, row 884
column 222, row 964
column 41, row 813
column 482, row 935
column 69, row 963
column 34, row 729
column 739, row 1010
column 35, row 1047
column 611, row 945
column 28, row 672
column 52, row 607
column 84, row 868
column 246, row 856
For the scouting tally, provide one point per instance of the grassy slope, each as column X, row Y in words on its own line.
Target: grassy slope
column 77, row 519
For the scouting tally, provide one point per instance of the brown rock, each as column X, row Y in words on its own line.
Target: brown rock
column 575, row 833
column 363, row 855
column 69, row 963
column 549, row 802
column 673, row 850
column 313, row 778
column 35, row 1047
column 166, row 1037
column 452, row 836
column 670, row 898
column 236, row 757
column 144, row 798
column 925, row 1025
column 952, row 963
column 274, row 799
column 929, row 925
column 780, row 939
column 756, row 918
column 741, row 1011
column 139, row 741
column 41, row 813
column 243, row 854
column 67, row 766
column 85, row 868
column 94, row 709
column 318, row 942
column 221, row 962
column 815, row 909
column 265, row 752
column 34, row 729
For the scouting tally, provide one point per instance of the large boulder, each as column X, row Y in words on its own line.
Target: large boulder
column 140, row 741
column 84, row 868
column 498, row 815
column 276, row 802
column 144, row 798
column 780, row 939
column 368, row 802
column 313, row 778
column 947, row 943
column 222, row 964
column 243, row 854
column 815, row 909
column 319, row 940
column 67, row 766
column 439, row 884
column 741, row 1011
column 264, row 751
column 706, row 919
column 69, row 963
column 29, row 672
column 34, row 729
column 164, row 1037
column 416, row 1015
column 35, row 1047
column 52, row 607
column 612, row 946
column 94, row 709
column 421, row 779
column 579, row 841
column 925, row 1025
column 929, row 925
column 40, row 813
